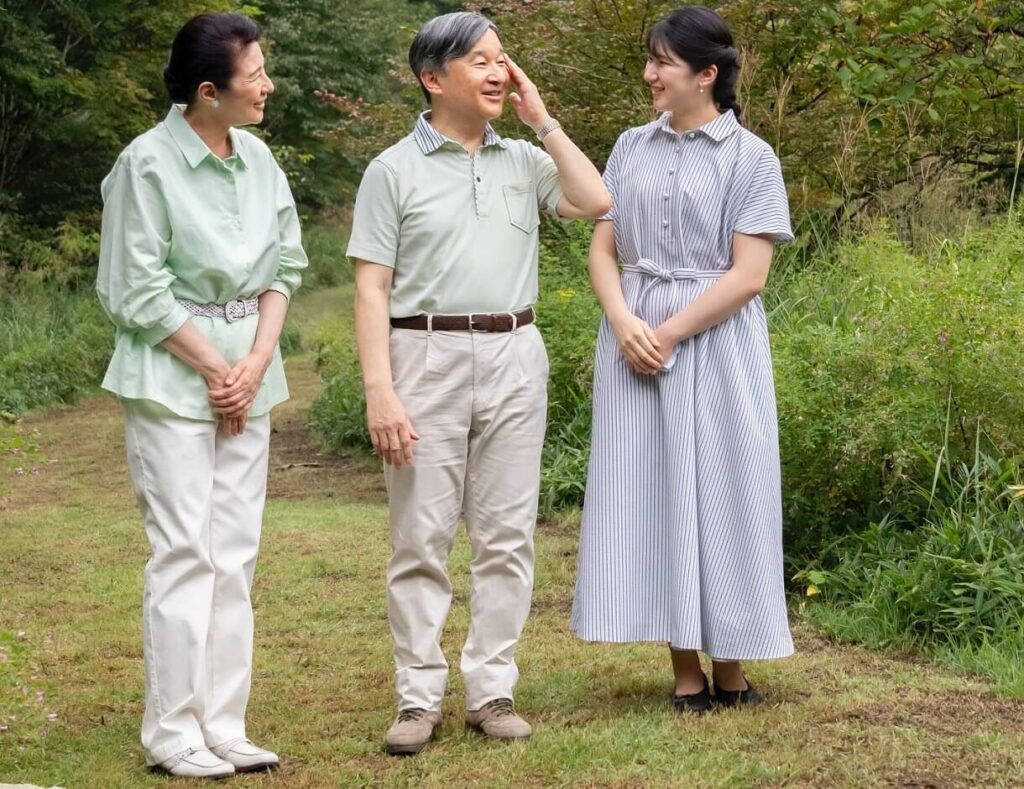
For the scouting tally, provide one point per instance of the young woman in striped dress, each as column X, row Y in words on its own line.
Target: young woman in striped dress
column 682, row 525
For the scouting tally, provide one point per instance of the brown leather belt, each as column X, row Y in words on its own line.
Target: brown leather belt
column 478, row 321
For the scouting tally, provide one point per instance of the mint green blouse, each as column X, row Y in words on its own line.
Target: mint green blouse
column 179, row 222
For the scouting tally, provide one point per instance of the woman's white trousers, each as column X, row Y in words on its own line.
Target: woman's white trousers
column 201, row 492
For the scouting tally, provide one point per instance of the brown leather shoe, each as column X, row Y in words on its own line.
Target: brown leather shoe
column 498, row 720
column 412, row 730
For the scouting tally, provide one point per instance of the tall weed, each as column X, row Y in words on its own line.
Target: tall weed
column 952, row 584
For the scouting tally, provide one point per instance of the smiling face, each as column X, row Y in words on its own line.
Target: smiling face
column 473, row 85
column 675, row 87
column 244, row 102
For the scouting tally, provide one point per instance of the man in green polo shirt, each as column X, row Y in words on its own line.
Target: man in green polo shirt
column 445, row 244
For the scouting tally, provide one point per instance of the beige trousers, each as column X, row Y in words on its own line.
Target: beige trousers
column 478, row 402
column 201, row 493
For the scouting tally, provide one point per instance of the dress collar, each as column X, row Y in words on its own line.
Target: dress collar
column 717, row 128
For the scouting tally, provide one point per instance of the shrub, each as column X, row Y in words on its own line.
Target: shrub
column 325, row 246
column 54, row 346
column 954, row 582
column 870, row 351
column 337, row 416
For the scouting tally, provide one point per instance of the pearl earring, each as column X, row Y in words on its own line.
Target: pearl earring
column 216, row 102
column 701, row 88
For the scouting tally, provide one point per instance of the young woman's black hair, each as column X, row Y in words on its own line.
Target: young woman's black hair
column 699, row 36
column 205, row 50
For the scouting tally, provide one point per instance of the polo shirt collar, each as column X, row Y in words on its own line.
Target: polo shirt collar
column 191, row 144
column 717, row 129
column 430, row 139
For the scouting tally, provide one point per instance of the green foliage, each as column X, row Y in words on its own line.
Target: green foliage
column 79, row 80
column 856, row 98
column 54, row 346
column 952, row 583
column 567, row 315
column 325, row 245
column 870, row 351
column 338, row 414
column 318, row 50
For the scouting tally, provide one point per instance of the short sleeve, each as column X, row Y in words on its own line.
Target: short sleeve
column 133, row 281
column 293, row 257
column 765, row 207
column 611, row 178
column 545, row 175
column 376, row 219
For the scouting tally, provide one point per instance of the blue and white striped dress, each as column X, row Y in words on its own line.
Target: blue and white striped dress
column 682, row 523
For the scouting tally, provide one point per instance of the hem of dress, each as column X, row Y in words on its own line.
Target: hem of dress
column 177, row 410
column 773, row 655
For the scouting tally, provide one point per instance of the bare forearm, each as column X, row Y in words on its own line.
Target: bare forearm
column 604, row 276
column 191, row 346
column 752, row 257
column 373, row 338
column 273, row 309
column 719, row 302
column 580, row 181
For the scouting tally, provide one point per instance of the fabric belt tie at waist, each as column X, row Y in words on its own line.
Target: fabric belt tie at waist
column 477, row 321
column 231, row 311
column 657, row 274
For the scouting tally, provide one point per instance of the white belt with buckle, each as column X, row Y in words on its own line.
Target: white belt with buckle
column 231, row 311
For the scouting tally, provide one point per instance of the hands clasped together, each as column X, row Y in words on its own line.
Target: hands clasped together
column 232, row 390
column 645, row 349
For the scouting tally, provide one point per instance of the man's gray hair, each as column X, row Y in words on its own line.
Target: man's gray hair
column 445, row 38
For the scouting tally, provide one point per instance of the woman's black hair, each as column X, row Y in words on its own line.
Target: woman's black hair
column 205, row 50
column 699, row 36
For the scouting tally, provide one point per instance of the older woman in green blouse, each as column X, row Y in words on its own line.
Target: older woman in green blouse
column 200, row 252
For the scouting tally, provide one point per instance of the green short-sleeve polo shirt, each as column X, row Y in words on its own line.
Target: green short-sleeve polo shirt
column 460, row 231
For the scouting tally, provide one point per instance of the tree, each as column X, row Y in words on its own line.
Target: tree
column 855, row 97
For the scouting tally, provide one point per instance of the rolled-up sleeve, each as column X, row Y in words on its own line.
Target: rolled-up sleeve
column 133, row 282
column 293, row 256
column 376, row 218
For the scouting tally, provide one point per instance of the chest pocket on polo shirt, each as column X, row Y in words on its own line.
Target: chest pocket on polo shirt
column 521, row 203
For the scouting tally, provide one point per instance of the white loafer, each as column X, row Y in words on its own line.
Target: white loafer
column 196, row 763
column 245, row 756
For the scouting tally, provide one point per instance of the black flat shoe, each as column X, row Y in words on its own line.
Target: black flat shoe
column 697, row 703
column 738, row 698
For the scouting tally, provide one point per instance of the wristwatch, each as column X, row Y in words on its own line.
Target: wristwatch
column 547, row 128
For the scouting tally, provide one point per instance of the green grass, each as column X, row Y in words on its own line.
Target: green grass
column 71, row 562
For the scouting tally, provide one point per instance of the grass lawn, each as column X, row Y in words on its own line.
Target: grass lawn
column 71, row 559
